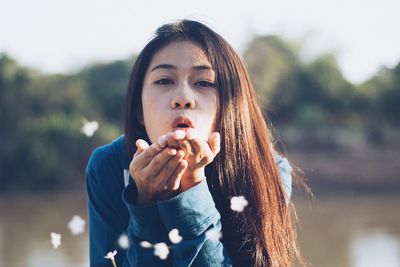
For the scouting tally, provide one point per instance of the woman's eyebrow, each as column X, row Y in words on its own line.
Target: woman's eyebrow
column 163, row 66
column 202, row 67
column 170, row 66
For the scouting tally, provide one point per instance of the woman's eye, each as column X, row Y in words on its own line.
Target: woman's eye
column 205, row 84
column 164, row 82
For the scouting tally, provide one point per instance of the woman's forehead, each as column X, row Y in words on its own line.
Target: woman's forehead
column 181, row 54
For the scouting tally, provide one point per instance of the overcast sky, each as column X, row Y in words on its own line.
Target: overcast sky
column 64, row 35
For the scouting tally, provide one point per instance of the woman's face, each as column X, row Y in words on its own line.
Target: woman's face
column 179, row 92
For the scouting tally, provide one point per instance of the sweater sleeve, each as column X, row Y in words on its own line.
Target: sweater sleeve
column 194, row 215
column 107, row 216
column 144, row 225
column 192, row 212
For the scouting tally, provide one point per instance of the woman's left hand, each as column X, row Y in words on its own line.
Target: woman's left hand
column 198, row 153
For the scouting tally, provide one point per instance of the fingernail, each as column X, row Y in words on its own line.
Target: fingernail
column 162, row 141
column 172, row 151
column 140, row 143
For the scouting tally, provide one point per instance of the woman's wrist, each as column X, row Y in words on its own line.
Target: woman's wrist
column 191, row 179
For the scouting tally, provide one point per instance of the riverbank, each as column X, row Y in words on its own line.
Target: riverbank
column 347, row 162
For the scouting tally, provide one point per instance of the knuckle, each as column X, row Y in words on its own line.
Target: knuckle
column 166, row 153
column 169, row 167
column 134, row 169
column 157, row 161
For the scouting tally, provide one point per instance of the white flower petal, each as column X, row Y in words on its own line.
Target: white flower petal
column 161, row 250
column 213, row 234
column 146, row 244
column 89, row 127
column 77, row 225
column 238, row 203
column 174, row 236
column 180, row 134
column 110, row 255
column 55, row 239
column 123, row 241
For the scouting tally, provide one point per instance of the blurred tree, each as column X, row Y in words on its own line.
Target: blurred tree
column 269, row 59
column 40, row 121
column 379, row 96
column 389, row 102
column 41, row 115
column 106, row 85
column 327, row 88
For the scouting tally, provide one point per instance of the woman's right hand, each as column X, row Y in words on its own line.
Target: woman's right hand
column 157, row 173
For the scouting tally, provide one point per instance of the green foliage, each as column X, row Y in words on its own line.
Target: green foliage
column 41, row 115
column 106, row 85
column 269, row 60
column 40, row 121
column 378, row 98
column 298, row 93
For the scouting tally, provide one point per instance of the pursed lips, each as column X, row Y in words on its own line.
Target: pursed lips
column 182, row 123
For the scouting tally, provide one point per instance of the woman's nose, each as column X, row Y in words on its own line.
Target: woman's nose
column 182, row 102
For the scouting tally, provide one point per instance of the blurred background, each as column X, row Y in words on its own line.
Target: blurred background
column 328, row 77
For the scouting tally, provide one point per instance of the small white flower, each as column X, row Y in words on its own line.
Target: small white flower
column 110, row 255
column 174, row 236
column 180, row 134
column 76, row 225
column 55, row 239
column 238, row 203
column 123, row 241
column 89, row 127
column 146, row 244
column 213, row 234
column 161, row 250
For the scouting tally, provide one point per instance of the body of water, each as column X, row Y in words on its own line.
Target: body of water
column 361, row 231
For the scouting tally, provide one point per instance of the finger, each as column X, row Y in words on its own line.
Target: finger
column 201, row 147
column 173, row 137
column 144, row 158
column 169, row 168
column 141, row 146
column 175, row 179
column 215, row 143
column 203, row 150
column 159, row 162
column 191, row 134
column 186, row 146
column 161, row 142
column 179, row 134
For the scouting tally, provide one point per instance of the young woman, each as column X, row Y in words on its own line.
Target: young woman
column 194, row 138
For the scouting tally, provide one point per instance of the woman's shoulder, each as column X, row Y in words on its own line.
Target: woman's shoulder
column 285, row 171
column 113, row 153
column 282, row 162
column 105, row 174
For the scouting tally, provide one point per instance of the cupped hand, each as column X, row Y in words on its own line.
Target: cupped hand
column 157, row 172
column 197, row 153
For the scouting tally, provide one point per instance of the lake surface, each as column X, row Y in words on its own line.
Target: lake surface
column 359, row 231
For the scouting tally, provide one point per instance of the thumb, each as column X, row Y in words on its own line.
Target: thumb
column 142, row 145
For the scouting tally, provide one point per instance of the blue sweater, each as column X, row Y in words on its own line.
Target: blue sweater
column 112, row 212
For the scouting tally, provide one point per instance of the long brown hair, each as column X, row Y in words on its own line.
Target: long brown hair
column 263, row 234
